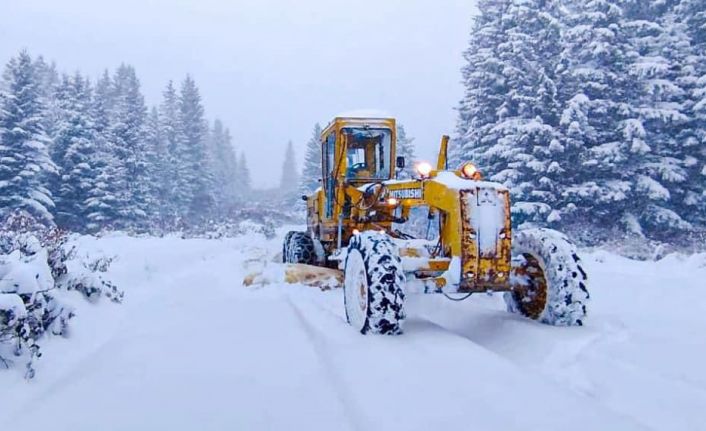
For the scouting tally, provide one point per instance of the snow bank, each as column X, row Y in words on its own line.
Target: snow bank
column 35, row 266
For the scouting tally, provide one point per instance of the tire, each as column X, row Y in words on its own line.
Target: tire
column 374, row 285
column 298, row 247
column 549, row 282
column 285, row 244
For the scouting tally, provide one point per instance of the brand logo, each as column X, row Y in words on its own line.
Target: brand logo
column 406, row 194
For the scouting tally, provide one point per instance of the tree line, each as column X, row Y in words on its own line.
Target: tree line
column 592, row 111
column 89, row 156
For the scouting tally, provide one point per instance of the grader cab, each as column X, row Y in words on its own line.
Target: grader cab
column 356, row 223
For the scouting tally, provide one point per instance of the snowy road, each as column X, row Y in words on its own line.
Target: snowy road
column 191, row 349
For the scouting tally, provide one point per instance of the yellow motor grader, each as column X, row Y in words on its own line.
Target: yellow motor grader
column 356, row 223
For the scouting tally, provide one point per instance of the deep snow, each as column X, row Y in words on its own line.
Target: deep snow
column 192, row 349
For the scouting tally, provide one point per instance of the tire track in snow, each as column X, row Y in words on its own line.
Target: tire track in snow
column 425, row 344
column 352, row 411
column 561, row 366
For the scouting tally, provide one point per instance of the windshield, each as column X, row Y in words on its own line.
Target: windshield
column 368, row 153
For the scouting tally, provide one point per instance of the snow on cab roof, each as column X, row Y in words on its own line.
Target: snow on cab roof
column 365, row 113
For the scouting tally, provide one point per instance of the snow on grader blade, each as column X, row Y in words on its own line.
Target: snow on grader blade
column 297, row 273
column 353, row 222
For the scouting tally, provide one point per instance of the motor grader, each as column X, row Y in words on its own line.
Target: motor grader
column 356, row 223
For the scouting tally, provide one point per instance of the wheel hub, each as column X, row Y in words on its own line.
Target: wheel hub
column 362, row 295
column 531, row 295
column 356, row 290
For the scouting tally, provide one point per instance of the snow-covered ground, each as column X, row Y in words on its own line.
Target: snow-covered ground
column 192, row 349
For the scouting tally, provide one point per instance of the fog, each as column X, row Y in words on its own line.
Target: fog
column 269, row 69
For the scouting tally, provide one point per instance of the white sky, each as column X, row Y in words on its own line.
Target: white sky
column 269, row 69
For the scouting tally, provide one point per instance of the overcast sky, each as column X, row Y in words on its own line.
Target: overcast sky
column 269, row 69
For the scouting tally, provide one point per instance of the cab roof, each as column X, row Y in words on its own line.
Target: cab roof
column 348, row 121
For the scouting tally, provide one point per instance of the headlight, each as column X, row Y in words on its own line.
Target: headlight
column 470, row 171
column 424, row 169
column 392, row 202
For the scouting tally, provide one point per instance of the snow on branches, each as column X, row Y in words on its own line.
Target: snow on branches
column 36, row 264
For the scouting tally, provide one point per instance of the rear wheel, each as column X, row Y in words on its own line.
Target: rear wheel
column 298, row 247
column 374, row 285
column 548, row 280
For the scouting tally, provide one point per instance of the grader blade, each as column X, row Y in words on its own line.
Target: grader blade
column 296, row 273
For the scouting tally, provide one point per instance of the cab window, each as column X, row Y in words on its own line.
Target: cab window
column 368, row 153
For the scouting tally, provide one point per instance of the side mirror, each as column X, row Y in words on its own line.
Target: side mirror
column 304, row 198
column 400, row 162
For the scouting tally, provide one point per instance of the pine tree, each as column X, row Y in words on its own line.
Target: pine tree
column 660, row 48
column 195, row 176
column 23, row 142
column 484, row 84
column 405, row 148
column 157, row 158
column 231, row 166
column 690, row 17
column 103, row 103
column 172, row 134
column 224, row 167
column 606, row 139
column 508, row 119
column 74, row 153
column 289, row 180
column 127, row 137
column 311, row 171
column 243, row 174
column 103, row 206
column 48, row 79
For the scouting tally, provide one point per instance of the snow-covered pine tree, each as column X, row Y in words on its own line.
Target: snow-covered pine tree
column 508, row 119
column 484, row 85
column 103, row 103
column 127, row 134
column 103, row 206
column 660, row 48
column 231, row 166
column 158, row 168
column 172, row 134
column 289, row 179
column 405, row 148
column 74, row 153
column 690, row 15
column 311, row 171
column 47, row 76
column 224, row 167
column 48, row 79
column 195, row 176
column 23, row 143
column 58, row 140
column 604, row 140
column 243, row 174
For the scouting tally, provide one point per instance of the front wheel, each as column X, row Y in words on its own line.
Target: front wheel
column 549, row 283
column 298, row 247
column 374, row 285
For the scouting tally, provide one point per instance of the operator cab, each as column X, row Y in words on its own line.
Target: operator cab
column 356, row 150
column 368, row 153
